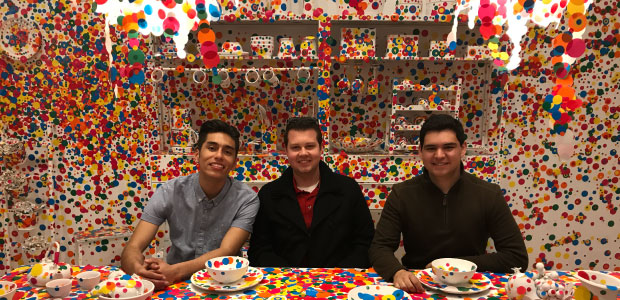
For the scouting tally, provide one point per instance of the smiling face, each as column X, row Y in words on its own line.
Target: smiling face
column 217, row 156
column 442, row 154
column 303, row 151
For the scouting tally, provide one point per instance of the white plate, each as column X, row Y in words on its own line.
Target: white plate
column 202, row 280
column 20, row 37
column 371, row 291
column 479, row 283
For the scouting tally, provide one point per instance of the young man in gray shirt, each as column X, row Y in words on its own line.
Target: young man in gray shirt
column 209, row 213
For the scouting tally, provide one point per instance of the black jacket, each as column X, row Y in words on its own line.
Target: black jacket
column 340, row 233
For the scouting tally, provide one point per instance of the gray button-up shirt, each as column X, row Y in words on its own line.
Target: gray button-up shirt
column 198, row 224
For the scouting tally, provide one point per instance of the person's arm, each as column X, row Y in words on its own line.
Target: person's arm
column 231, row 243
column 385, row 242
column 234, row 238
column 504, row 231
column 132, row 259
column 261, row 252
column 363, row 231
column 387, row 239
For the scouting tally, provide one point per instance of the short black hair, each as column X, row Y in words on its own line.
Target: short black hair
column 303, row 123
column 440, row 122
column 211, row 126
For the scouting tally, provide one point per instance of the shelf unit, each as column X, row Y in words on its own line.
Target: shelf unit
column 241, row 30
column 411, row 109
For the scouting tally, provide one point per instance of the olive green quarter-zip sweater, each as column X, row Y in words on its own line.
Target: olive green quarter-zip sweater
column 457, row 224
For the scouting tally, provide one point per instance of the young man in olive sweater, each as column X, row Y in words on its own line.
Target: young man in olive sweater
column 445, row 212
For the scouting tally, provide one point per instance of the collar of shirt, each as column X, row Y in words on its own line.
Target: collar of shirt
column 314, row 187
column 201, row 196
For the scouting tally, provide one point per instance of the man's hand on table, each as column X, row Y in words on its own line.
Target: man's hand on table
column 406, row 281
column 161, row 268
column 147, row 272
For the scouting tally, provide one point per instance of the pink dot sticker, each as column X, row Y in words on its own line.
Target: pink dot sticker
column 575, row 48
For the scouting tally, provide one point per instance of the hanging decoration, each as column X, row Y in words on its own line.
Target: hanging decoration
column 170, row 19
column 515, row 14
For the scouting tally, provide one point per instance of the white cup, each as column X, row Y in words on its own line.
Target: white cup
column 287, row 48
column 199, row 76
column 157, row 75
column 59, row 288
column 303, row 74
column 252, row 77
column 225, row 80
column 357, row 86
column 270, row 77
column 262, row 46
column 88, row 280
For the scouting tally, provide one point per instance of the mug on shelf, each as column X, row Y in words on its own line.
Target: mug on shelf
column 357, row 86
column 25, row 214
column 252, row 77
column 439, row 49
column 157, row 75
column 12, row 152
column 343, row 85
column 401, row 46
column 287, row 48
column 478, row 52
column 224, row 79
column 262, row 46
column 288, row 7
column 231, row 50
column 14, row 184
column 199, row 76
column 303, row 74
column 373, row 86
column 181, row 118
column 183, row 139
column 270, row 77
column 308, row 48
column 35, row 248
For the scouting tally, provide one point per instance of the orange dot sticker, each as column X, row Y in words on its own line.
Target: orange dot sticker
column 206, row 34
column 577, row 22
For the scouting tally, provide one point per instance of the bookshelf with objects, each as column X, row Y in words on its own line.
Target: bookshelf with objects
column 412, row 104
column 347, row 71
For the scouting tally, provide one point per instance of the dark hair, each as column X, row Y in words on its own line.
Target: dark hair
column 303, row 123
column 439, row 122
column 211, row 126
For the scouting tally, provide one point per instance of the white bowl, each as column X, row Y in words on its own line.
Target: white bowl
column 453, row 271
column 149, row 287
column 603, row 286
column 226, row 269
column 59, row 288
column 88, row 280
column 7, row 289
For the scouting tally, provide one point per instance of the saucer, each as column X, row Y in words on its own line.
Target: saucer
column 202, row 280
column 377, row 292
column 479, row 283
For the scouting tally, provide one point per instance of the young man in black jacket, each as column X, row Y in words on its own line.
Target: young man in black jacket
column 310, row 216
